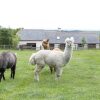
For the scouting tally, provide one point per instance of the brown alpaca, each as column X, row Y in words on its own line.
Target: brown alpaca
column 45, row 44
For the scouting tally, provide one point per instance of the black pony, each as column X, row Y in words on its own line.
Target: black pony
column 7, row 60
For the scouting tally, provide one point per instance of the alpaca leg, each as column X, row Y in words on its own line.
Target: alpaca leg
column 58, row 73
column 38, row 68
column 54, row 69
column 2, row 74
column 3, row 77
column 13, row 72
column 51, row 69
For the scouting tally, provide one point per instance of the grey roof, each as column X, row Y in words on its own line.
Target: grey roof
column 39, row 35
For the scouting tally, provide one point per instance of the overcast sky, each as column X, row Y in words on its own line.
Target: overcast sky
column 50, row 14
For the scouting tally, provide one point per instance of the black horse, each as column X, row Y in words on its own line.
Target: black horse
column 7, row 60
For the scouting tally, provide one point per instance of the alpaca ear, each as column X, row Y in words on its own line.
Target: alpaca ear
column 47, row 40
column 72, row 39
column 67, row 39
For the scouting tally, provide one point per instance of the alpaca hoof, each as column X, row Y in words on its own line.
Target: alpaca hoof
column 36, row 80
column 57, row 78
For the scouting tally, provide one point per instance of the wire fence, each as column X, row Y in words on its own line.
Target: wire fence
column 18, row 47
column 8, row 47
column 35, row 48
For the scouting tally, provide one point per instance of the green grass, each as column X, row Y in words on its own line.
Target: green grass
column 80, row 79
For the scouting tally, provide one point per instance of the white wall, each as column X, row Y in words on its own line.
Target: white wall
column 97, row 46
column 38, row 44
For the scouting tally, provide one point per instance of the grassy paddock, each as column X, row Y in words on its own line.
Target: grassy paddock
column 80, row 79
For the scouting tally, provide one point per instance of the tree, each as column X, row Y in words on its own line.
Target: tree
column 8, row 36
column 83, row 41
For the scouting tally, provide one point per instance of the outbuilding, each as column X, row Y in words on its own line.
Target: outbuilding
column 32, row 38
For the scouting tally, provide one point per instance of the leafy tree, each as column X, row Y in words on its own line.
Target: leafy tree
column 83, row 41
column 8, row 36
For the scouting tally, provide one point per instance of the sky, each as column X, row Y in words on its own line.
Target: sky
column 50, row 14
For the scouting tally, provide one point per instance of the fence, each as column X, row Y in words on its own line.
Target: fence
column 18, row 47
column 7, row 47
column 35, row 48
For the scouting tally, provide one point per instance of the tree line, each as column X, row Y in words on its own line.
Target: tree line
column 9, row 36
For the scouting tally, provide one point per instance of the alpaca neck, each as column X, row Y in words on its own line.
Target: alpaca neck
column 67, row 54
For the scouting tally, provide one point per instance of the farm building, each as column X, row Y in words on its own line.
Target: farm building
column 32, row 38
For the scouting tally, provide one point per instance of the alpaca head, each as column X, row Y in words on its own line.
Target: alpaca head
column 69, row 42
column 45, row 43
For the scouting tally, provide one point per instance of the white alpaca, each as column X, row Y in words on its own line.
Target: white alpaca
column 54, row 58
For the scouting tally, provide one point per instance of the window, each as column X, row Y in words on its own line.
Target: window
column 58, row 37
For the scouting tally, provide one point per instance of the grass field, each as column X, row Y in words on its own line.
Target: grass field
column 80, row 79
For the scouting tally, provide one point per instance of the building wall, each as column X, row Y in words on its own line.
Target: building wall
column 24, row 43
column 61, row 46
column 38, row 45
column 97, row 46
